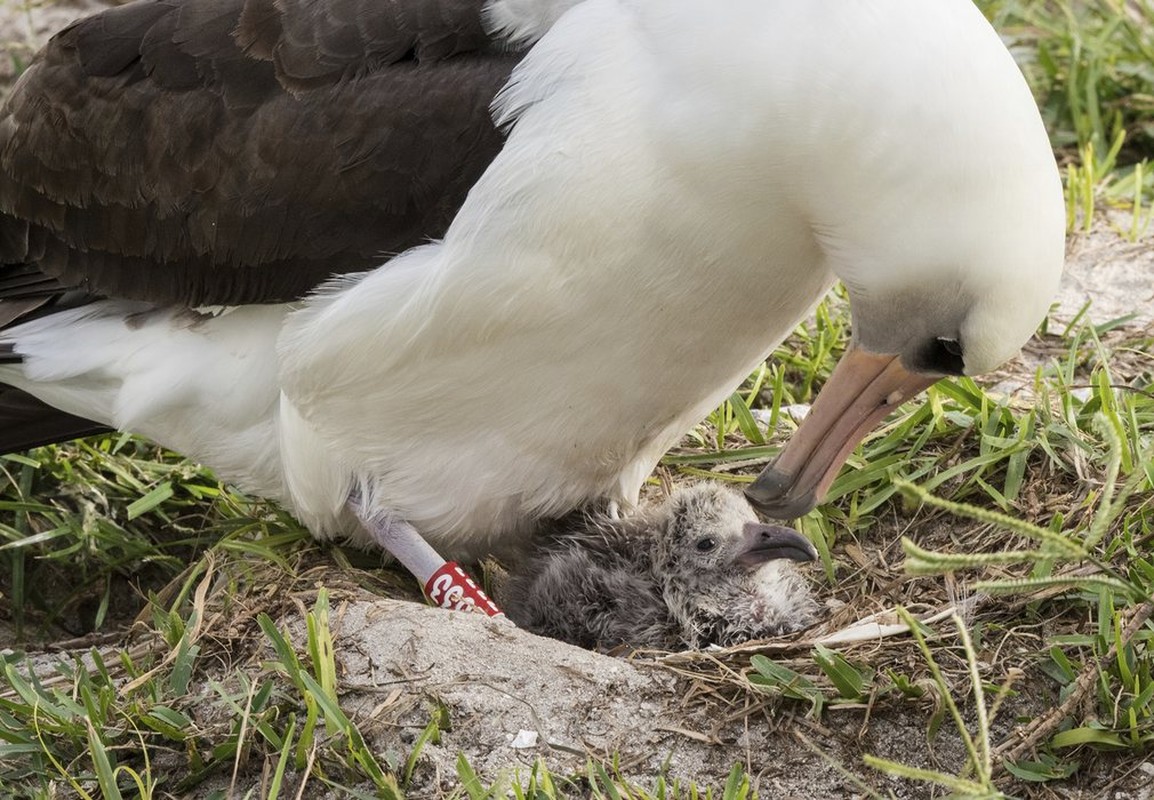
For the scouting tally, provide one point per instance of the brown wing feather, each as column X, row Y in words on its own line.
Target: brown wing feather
column 238, row 151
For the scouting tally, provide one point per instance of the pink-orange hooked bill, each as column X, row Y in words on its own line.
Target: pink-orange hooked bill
column 862, row 390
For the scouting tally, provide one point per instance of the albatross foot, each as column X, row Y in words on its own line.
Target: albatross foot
column 445, row 583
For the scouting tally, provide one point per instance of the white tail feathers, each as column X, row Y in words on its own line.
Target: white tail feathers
column 317, row 485
column 205, row 385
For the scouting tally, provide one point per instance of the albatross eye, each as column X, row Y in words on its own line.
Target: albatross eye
column 943, row 356
column 706, row 544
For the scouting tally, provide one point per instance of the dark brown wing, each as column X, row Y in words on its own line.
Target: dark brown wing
column 207, row 152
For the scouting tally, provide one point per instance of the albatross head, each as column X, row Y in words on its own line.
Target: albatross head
column 933, row 194
column 725, row 576
column 711, row 531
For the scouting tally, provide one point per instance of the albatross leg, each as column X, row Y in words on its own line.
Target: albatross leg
column 444, row 582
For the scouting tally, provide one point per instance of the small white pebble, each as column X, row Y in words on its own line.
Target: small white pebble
column 524, row 740
column 500, row 622
column 797, row 412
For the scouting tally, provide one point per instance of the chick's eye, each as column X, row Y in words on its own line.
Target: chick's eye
column 706, row 544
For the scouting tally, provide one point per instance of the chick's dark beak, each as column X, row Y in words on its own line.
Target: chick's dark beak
column 762, row 543
column 862, row 390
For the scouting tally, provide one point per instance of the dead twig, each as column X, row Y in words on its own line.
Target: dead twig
column 1026, row 738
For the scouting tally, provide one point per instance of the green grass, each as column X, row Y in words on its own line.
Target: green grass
column 1029, row 512
column 1061, row 488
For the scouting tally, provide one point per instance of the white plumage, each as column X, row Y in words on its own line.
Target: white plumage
column 681, row 184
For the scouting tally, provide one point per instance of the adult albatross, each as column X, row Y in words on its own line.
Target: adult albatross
column 555, row 293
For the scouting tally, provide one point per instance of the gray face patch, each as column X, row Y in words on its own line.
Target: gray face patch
column 921, row 324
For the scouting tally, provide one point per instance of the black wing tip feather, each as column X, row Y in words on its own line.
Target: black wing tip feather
column 25, row 422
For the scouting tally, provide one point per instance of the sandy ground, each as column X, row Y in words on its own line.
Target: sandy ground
column 514, row 697
column 1111, row 273
column 505, row 688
